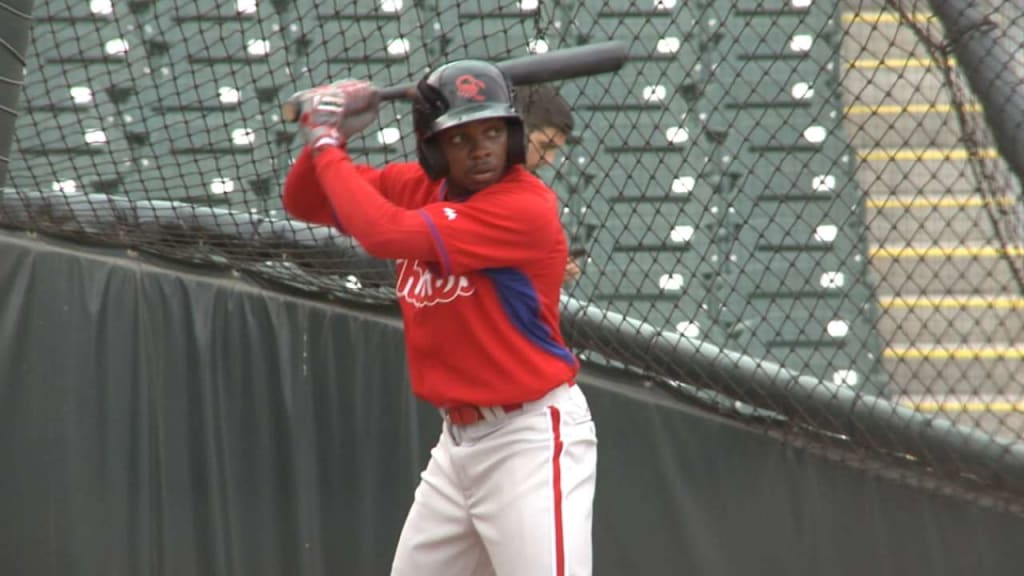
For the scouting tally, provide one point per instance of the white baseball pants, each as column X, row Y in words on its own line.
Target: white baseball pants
column 511, row 495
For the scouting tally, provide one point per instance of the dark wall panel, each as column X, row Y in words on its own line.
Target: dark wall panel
column 160, row 420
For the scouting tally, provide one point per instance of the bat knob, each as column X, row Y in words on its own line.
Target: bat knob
column 292, row 107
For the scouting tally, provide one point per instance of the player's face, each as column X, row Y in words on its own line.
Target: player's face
column 477, row 153
column 542, row 147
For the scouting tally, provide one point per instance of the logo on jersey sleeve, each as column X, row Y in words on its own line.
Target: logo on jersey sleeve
column 420, row 287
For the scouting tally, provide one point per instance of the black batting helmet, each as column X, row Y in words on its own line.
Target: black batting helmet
column 460, row 92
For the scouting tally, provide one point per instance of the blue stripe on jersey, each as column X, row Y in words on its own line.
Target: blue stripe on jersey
column 521, row 305
column 446, row 263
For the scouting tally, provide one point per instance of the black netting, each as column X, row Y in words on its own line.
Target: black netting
column 794, row 211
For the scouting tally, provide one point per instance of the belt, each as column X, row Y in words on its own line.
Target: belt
column 466, row 414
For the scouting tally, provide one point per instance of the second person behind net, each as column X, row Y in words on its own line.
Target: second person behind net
column 549, row 124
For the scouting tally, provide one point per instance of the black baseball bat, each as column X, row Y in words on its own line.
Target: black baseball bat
column 586, row 60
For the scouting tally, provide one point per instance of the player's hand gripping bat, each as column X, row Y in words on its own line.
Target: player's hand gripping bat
column 586, row 60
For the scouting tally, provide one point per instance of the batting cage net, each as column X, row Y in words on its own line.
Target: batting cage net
column 795, row 212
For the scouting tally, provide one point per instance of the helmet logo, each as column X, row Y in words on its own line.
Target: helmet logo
column 470, row 87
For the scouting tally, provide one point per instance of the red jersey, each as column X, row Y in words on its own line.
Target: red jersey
column 478, row 280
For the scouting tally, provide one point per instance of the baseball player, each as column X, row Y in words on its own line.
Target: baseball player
column 480, row 258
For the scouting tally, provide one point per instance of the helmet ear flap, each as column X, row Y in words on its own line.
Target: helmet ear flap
column 432, row 159
column 516, row 143
column 435, row 103
column 429, row 105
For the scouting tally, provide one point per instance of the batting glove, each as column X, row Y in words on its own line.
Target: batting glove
column 361, row 103
column 323, row 109
column 334, row 112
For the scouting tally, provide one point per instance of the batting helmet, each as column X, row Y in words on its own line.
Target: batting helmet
column 460, row 92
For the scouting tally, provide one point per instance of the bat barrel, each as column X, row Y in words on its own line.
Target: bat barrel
column 587, row 60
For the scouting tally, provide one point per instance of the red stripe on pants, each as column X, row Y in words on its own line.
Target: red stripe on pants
column 557, row 486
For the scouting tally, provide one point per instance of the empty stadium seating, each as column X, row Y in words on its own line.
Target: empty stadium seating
column 726, row 154
column 702, row 179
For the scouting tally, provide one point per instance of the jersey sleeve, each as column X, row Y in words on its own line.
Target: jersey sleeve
column 306, row 199
column 302, row 196
column 384, row 228
column 493, row 230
